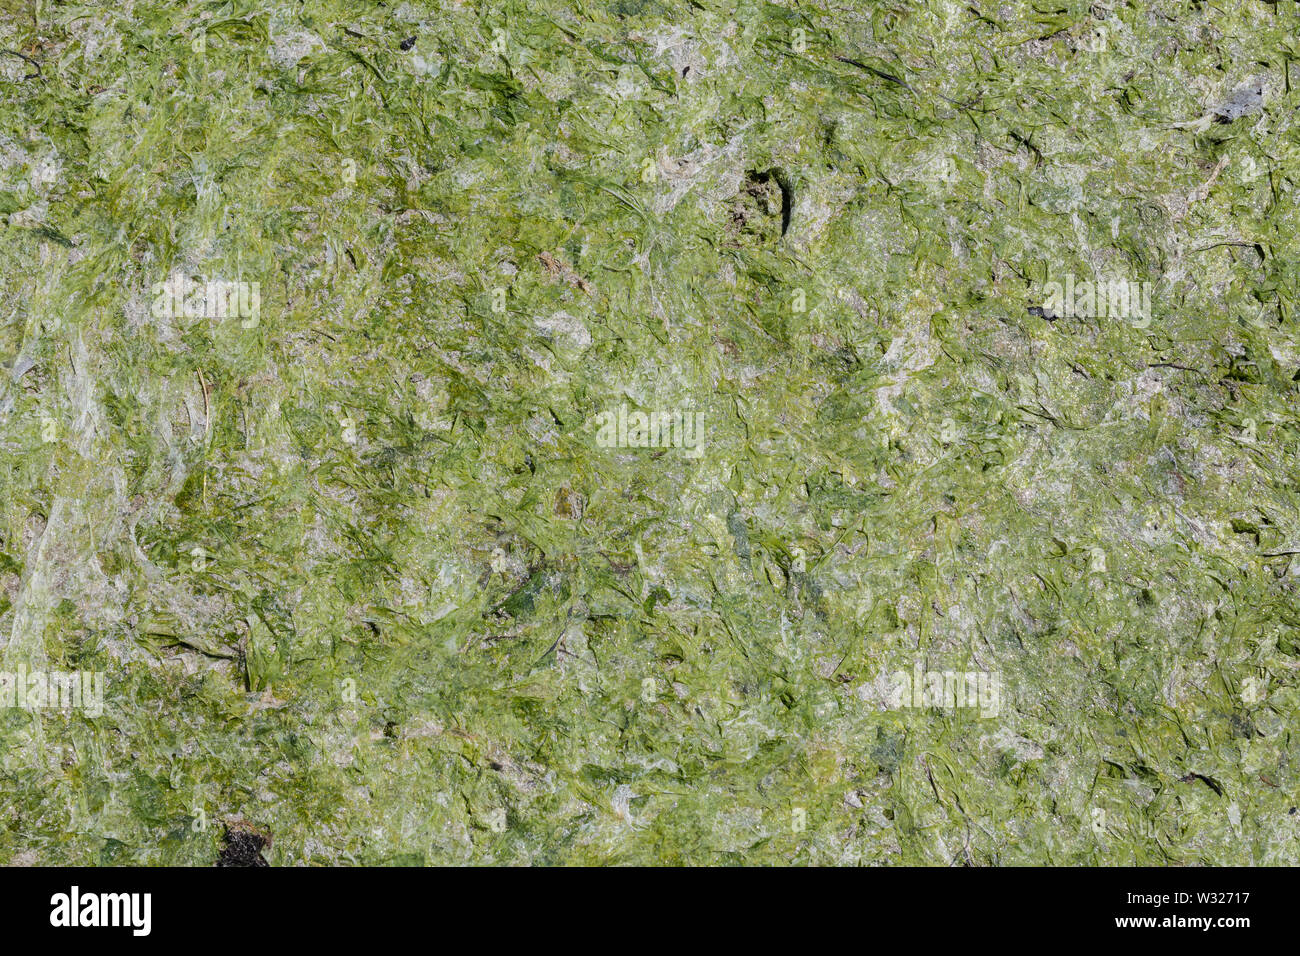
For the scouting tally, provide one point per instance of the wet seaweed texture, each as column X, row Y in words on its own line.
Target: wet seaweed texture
column 395, row 537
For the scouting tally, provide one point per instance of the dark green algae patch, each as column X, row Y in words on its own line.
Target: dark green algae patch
column 358, row 572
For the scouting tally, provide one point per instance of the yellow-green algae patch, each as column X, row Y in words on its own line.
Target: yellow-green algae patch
column 357, row 571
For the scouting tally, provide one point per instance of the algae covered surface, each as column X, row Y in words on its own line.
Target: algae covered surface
column 650, row 432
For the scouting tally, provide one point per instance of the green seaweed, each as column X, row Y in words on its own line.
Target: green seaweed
column 360, row 573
